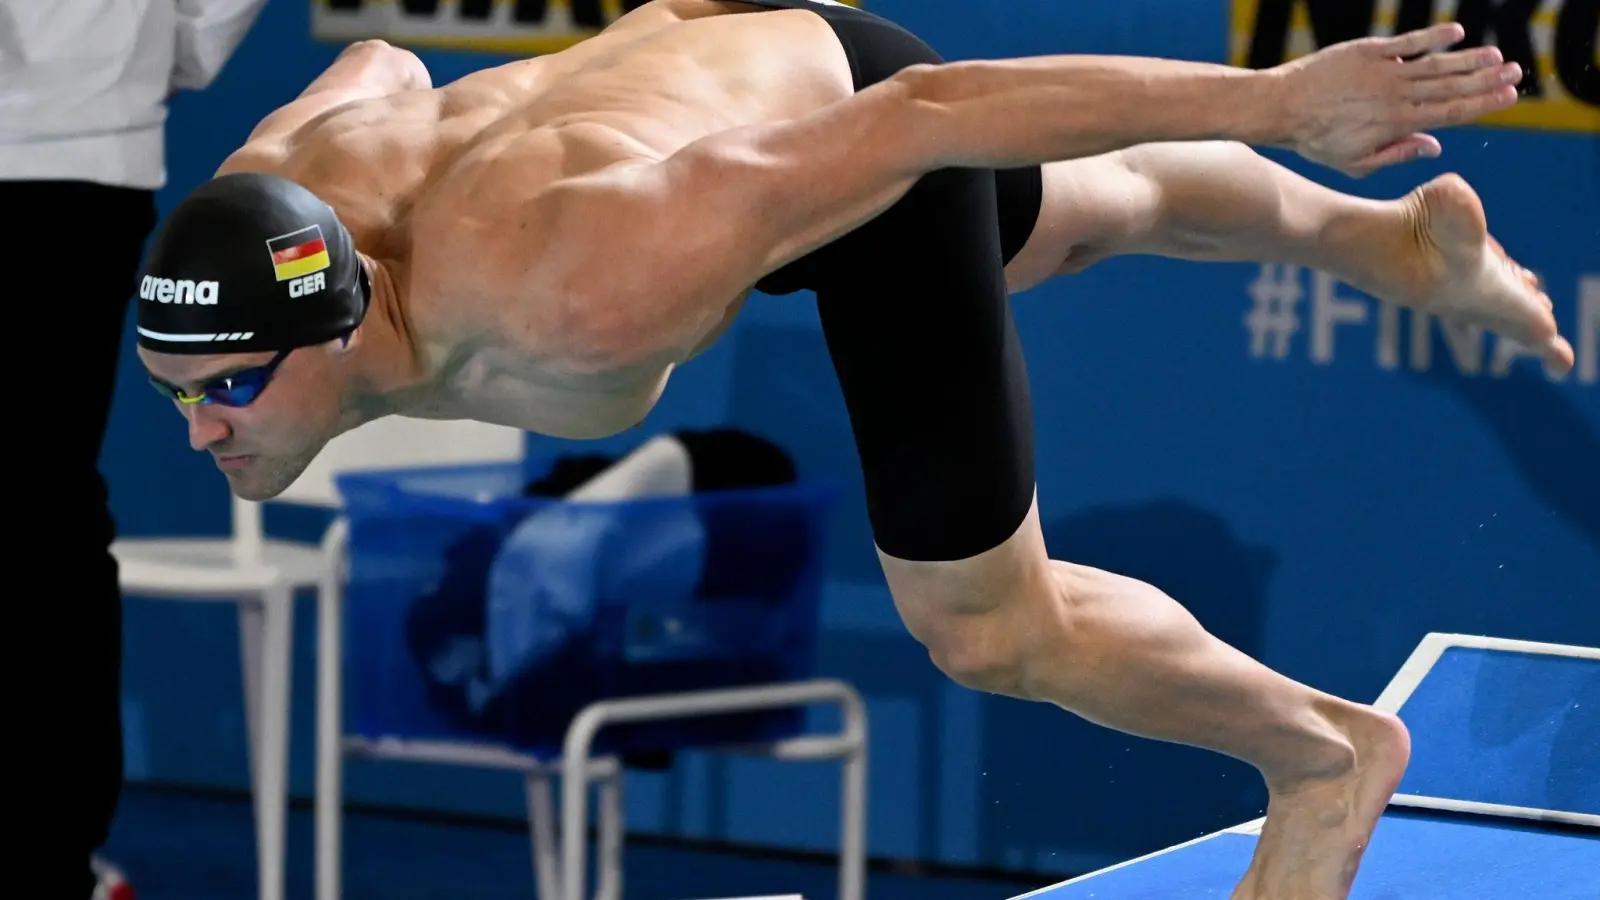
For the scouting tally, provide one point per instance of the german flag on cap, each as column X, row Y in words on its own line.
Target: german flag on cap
column 298, row 253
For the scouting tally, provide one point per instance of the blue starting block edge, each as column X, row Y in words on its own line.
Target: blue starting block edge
column 1578, row 668
column 1425, row 847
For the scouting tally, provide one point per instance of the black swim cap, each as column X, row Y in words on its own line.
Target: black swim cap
column 246, row 263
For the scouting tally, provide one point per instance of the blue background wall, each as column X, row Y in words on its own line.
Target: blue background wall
column 1321, row 513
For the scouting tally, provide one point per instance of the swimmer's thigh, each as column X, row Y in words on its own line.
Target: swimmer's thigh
column 918, row 323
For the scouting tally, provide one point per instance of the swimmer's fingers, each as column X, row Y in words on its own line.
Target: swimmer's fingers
column 1460, row 110
column 1416, row 146
column 1416, row 43
column 1459, row 62
column 1471, row 84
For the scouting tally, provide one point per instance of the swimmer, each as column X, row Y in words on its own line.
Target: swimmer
column 539, row 245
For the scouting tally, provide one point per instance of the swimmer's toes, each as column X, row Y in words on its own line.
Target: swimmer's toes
column 1558, row 353
column 1535, row 323
column 1537, row 331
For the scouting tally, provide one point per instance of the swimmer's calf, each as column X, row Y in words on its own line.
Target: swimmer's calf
column 1216, row 201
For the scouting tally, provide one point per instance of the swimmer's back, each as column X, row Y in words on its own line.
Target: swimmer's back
column 452, row 188
column 662, row 76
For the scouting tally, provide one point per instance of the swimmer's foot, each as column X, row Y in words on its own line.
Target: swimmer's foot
column 1318, row 828
column 1449, row 265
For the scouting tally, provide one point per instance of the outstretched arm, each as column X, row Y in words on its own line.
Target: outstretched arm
column 1355, row 106
column 729, row 208
column 785, row 188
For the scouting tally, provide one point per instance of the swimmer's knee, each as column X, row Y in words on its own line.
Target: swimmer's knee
column 978, row 653
column 997, row 647
column 983, row 619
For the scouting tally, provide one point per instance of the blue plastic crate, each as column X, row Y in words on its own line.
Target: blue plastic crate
column 474, row 613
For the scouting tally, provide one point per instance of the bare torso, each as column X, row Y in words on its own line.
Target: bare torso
column 435, row 187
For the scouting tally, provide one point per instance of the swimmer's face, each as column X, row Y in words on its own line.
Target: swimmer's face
column 263, row 445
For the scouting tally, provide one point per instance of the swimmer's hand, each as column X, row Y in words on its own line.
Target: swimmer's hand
column 1362, row 105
